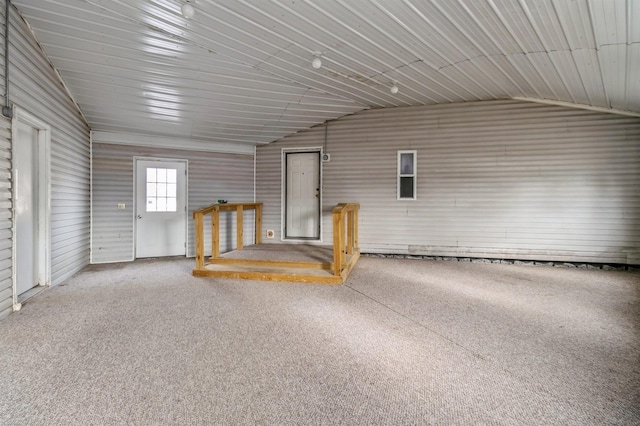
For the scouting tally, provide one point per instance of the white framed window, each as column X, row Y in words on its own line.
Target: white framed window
column 161, row 190
column 407, row 174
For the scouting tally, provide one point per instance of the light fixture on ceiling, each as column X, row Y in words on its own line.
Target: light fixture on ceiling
column 317, row 62
column 394, row 89
column 187, row 10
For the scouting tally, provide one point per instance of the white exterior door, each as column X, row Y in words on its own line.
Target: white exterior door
column 302, row 195
column 26, row 207
column 161, row 210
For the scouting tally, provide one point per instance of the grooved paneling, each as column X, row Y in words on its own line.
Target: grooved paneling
column 240, row 72
column 211, row 176
column 504, row 179
column 36, row 88
column 6, row 283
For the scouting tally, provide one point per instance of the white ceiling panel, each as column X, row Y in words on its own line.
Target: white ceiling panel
column 240, row 70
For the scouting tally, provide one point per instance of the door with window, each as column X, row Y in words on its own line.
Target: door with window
column 302, row 195
column 161, row 209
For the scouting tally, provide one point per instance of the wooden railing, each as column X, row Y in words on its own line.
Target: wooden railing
column 345, row 238
column 345, row 248
column 214, row 210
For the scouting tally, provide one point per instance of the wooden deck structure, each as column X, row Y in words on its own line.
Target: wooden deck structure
column 345, row 249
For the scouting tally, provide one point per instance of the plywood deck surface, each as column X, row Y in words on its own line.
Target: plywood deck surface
column 301, row 263
column 283, row 252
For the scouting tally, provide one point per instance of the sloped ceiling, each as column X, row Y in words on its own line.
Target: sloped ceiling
column 240, row 70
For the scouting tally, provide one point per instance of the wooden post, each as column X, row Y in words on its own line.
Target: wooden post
column 349, row 231
column 199, row 240
column 355, row 228
column 215, row 234
column 239, row 227
column 337, row 244
column 259, row 223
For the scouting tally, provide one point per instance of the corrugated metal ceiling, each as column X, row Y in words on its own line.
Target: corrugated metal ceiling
column 240, row 70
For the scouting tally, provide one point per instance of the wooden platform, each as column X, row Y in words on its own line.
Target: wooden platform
column 278, row 262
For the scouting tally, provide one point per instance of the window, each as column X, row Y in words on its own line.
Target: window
column 161, row 190
column 407, row 175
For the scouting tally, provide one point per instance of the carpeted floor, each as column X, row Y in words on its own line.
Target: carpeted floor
column 402, row 342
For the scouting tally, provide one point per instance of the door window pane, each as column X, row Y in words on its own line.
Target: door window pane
column 162, row 190
column 172, row 176
column 171, row 190
column 162, row 204
column 151, row 204
column 162, row 175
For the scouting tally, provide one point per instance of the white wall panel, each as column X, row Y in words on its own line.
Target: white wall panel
column 501, row 179
column 211, row 176
column 6, row 283
column 35, row 87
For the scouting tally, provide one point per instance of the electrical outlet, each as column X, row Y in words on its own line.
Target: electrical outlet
column 121, row 206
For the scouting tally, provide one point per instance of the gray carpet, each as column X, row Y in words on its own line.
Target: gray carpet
column 402, row 342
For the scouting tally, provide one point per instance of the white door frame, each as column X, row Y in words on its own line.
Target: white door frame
column 135, row 198
column 44, row 199
column 283, row 193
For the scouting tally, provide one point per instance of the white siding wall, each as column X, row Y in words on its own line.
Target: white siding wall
column 211, row 176
column 36, row 88
column 500, row 179
column 6, row 289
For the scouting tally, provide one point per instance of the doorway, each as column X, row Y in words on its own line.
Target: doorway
column 30, row 169
column 161, row 207
column 302, row 195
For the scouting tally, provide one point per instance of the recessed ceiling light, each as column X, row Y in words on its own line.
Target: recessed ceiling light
column 394, row 89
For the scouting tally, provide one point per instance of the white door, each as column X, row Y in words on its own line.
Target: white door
column 302, row 195
column 26, row 207
column 161, row 209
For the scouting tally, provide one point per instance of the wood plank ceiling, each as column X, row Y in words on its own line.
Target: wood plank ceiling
column 240, row 70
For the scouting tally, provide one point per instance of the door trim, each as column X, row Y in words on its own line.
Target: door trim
column 44, row 200
column 135, row 198
column 283, row 194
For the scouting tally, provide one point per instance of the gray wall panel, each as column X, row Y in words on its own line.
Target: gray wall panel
column 505, row 179
column 36, row 87
column 6, row 283
column 211, row 176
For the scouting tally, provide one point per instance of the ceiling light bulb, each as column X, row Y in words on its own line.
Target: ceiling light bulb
column 188, row 11
column 316, row 63
column 394, row 89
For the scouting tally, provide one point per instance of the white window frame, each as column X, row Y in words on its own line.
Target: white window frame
column 413, row 175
